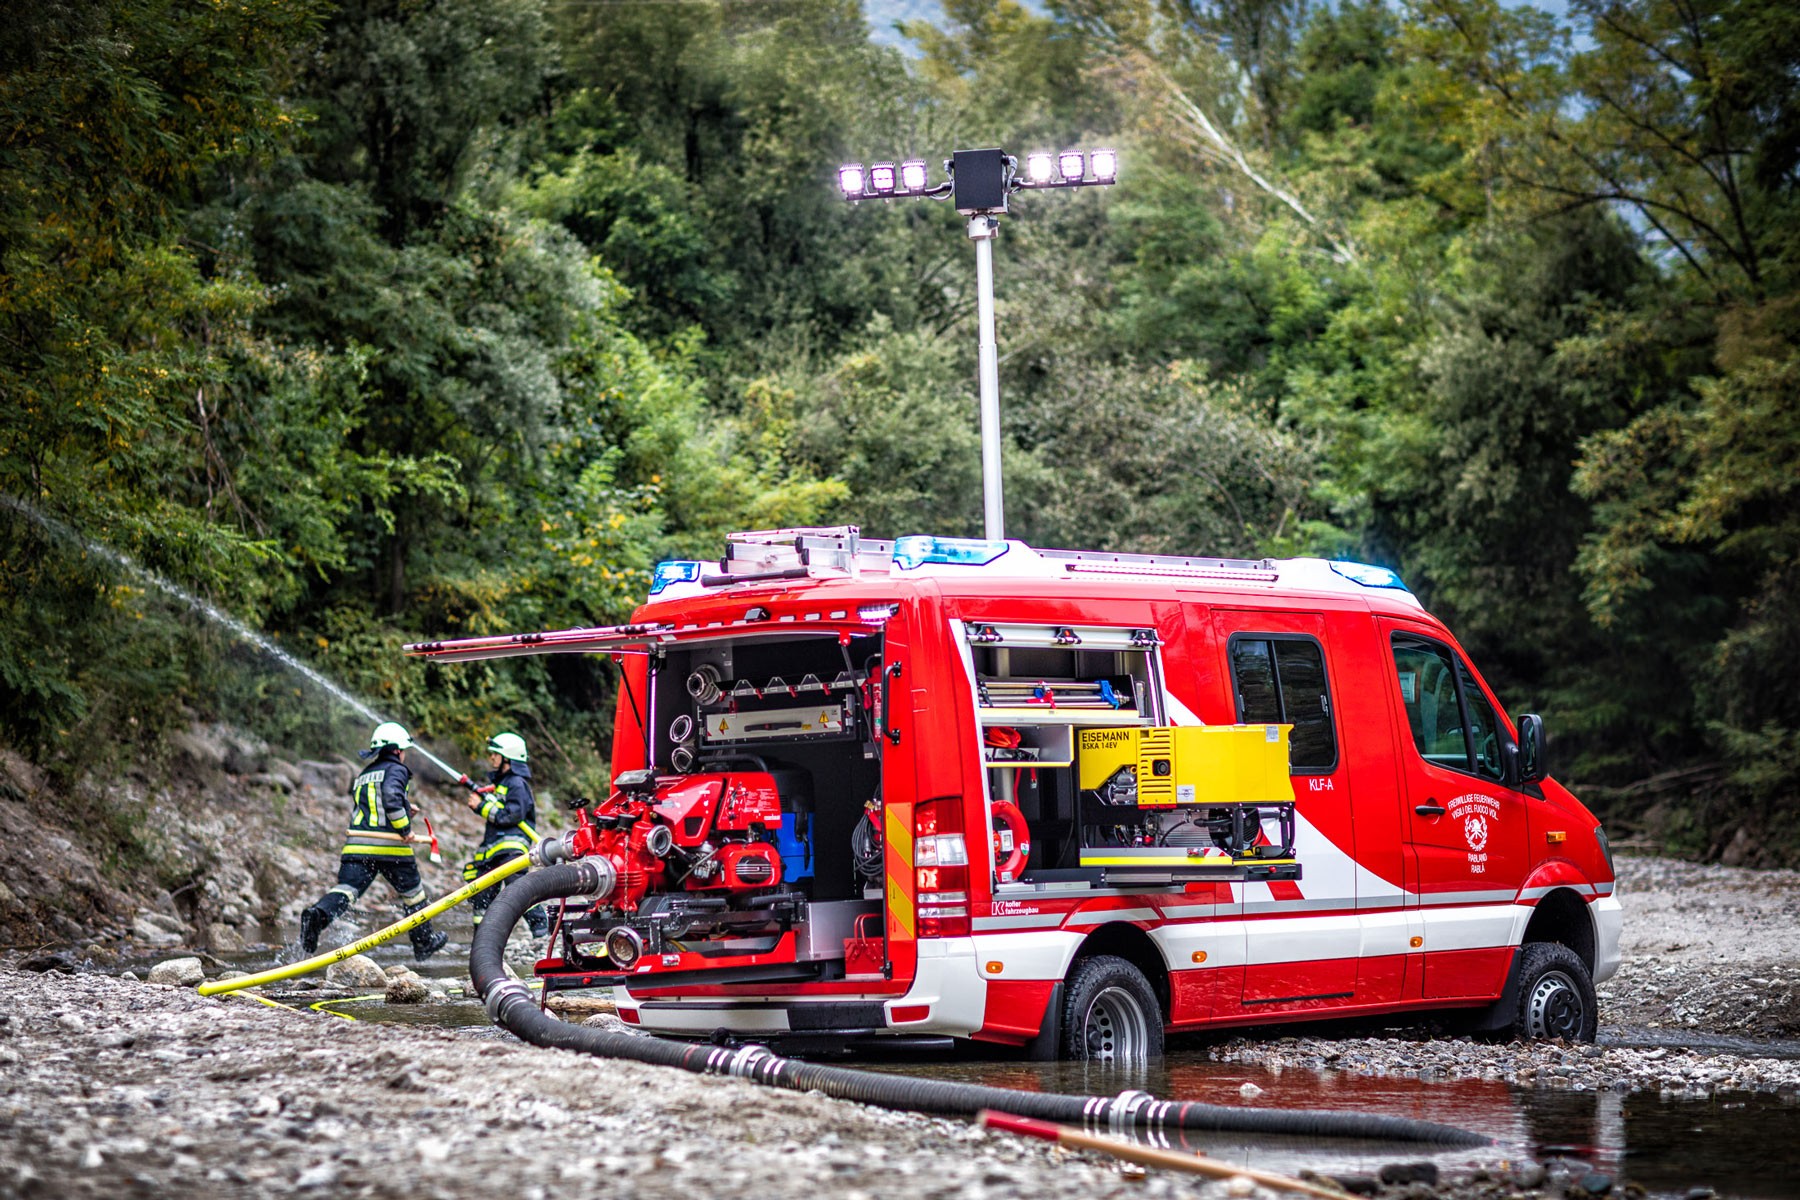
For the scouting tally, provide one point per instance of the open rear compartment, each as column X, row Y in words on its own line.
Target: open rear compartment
column 752, row 825
column 1082, row 766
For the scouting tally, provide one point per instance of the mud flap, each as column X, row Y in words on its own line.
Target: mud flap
column 1498, row 1017
column 1047, row 1045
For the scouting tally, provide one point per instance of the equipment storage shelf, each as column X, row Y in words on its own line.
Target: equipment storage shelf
column 1058, row 716
column 1039, row 746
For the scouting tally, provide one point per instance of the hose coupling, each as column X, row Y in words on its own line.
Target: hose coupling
column 503, row 995
column 549, row 852
column 743, row 1063
column 595, row 876
column 1122, row 1113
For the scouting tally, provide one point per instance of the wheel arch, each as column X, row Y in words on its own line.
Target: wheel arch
column 1125, row 940
column 1561, row 916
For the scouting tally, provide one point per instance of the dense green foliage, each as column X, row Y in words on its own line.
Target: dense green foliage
column 371, row 320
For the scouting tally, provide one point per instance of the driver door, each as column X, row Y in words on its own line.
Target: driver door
column 1467, row 824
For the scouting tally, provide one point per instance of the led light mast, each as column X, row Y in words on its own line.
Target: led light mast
column 980, row 181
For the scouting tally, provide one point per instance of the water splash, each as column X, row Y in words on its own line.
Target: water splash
column 217, row 616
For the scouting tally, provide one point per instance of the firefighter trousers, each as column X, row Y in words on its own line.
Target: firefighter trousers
column 537, row 917
column 355, row 873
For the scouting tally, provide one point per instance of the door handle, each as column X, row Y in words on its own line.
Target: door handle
column 1431, row 809
column 889, row 676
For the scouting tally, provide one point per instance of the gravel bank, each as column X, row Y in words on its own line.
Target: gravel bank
column 123, row 1088
column 115, row 1087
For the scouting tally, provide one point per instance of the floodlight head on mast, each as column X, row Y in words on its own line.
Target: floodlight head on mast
column 887, row 181
column 1068, row 169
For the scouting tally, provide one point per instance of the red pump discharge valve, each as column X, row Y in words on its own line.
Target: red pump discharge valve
column 690, row 858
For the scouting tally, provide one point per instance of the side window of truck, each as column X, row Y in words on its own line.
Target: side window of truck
column 1436, row 689
column 1280, row 679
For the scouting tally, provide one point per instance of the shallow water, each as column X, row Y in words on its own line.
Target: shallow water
column 1741, row 1144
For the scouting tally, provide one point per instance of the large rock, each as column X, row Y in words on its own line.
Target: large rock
column 405, row 987
column 360, row 972
column 332, row 777
column 202, row 743
column 245, row 753
column 178, row 972
column 223, row 939
column 155, row 929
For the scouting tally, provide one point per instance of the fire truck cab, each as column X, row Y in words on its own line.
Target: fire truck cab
column 1067, row 801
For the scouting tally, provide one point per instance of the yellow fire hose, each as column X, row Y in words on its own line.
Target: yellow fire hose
column 320, row 961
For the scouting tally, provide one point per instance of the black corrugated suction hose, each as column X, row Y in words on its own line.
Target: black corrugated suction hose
column 513, row 1007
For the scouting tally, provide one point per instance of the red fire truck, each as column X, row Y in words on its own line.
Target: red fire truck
column 1066, row 801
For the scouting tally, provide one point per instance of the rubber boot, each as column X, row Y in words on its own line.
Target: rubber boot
column 314, row 920
column 537, row 919
column 427, row 941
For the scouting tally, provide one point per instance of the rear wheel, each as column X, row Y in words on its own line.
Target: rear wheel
column 1110, row 1014
column 1556, row 995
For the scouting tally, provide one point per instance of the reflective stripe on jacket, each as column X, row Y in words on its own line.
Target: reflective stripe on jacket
column 510, row 811
column 380, row 816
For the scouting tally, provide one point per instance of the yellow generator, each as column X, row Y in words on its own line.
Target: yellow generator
column 1236, row 776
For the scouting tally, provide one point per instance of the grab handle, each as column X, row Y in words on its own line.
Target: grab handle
column 1433, row 809
column 888, row 676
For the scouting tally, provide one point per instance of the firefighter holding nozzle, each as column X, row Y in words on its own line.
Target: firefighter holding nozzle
column 507, row 805
column 379, row 842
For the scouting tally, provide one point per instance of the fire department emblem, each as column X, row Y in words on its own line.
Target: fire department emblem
column 1475, row 828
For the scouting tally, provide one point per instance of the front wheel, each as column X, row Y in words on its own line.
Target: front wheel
column 1110, row 1014
column 1556, row 995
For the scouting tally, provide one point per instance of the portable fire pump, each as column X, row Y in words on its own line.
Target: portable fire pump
column 688, row 857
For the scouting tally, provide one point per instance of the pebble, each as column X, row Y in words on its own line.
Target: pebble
column 1595, row 1183
column 1529, row 1175
column 323, row 1175
column 70, row 1023
column 1250, row 1091
column 1240, row 1186
column 1413, row 1172
column 178, row 972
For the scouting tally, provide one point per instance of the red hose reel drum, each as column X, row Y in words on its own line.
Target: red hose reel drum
column 1012, row 840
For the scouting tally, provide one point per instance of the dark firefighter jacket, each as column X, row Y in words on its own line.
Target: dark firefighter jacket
column 511, row 814
column 380, row 817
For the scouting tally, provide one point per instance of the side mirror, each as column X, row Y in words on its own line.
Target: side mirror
column 1531, row 748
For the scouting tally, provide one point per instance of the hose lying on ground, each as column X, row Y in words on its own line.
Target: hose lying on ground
column 510, row 1004
column 318, row 961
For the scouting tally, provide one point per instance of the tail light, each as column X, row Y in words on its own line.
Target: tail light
column 941, row 869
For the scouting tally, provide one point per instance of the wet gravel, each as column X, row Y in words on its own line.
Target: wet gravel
column 115, row 1087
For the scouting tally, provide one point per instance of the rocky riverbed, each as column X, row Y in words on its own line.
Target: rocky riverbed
column 121, row 1087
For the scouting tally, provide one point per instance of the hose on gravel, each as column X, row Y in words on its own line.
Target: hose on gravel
column 510, row 1004
column 218, row 987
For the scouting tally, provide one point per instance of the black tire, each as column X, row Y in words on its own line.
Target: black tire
column 1110, row 1013
column 1556, row 996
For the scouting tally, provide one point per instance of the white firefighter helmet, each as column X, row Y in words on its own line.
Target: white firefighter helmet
column 390, row 733
column 509, row 746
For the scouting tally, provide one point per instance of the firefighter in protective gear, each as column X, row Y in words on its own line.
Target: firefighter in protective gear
column 511, row 813
column 379, row 843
